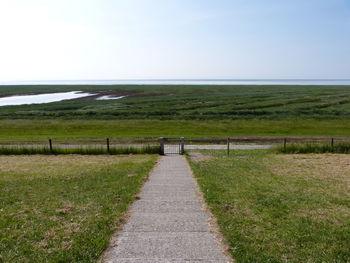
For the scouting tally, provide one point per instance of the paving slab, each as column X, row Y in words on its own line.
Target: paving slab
column 170, row 188
column 155, row 260
column 164, row 196
column 187, row 245
column 169, row 223
column 179, row 206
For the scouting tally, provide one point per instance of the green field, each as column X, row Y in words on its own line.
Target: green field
column 176, row 111
column 278, row 208
column 60, row 129
column 188, row 102
column 65, row 208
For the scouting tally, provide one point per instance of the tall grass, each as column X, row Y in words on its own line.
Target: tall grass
column 181, row 102
column 22, row 150
column 314, row 148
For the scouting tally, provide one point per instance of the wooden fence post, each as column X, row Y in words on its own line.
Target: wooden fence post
column 108, row 145
column 228, row 146
column 332, row 143
column 285, row 144
column 50, row 144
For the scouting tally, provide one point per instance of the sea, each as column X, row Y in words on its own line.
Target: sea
column 184, row 82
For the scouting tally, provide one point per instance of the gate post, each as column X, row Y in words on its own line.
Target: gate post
column 161, row 142
column 182, row 142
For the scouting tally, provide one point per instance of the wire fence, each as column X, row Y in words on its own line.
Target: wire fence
column 154, row 145
column 79, row 146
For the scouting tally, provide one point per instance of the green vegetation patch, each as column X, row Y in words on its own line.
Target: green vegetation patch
column 186, row 102
column 278, row 208
column 65, row 208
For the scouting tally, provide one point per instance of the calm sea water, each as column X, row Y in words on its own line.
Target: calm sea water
column 41, row 98
column 186, row 82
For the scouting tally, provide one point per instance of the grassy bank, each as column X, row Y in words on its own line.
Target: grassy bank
column 279, row 208
column 65, row 208
column 43, row 129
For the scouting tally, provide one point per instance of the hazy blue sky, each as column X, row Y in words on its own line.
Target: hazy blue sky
column 133, row 39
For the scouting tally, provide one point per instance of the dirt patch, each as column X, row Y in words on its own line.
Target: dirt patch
column 67, row 244
column 199, row 157
column 66, row 209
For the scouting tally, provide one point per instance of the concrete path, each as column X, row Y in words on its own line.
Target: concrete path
column 169, row 223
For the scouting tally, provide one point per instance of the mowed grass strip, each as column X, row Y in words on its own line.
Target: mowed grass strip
column 279, row 208
column 61, row 129
column 65, row 208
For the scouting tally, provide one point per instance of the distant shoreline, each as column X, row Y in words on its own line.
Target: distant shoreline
column 340, row 82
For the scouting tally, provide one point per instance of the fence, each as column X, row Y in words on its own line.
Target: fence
column 154, row 145
column 79, row 146
column 267, row 139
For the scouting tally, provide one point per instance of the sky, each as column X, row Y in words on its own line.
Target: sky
column 174, row 39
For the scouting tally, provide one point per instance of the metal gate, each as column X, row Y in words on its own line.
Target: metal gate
column 172, row 145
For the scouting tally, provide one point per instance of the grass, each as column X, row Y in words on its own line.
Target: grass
column 21, row 150
column 267, row 102
column 65, row 208
column 279, row 208
column 314, row 148
column 44, row 129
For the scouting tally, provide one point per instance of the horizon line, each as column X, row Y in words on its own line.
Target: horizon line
column 187, row 79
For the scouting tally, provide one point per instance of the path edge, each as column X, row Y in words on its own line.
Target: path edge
column 212, row 222
column 119, row 228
